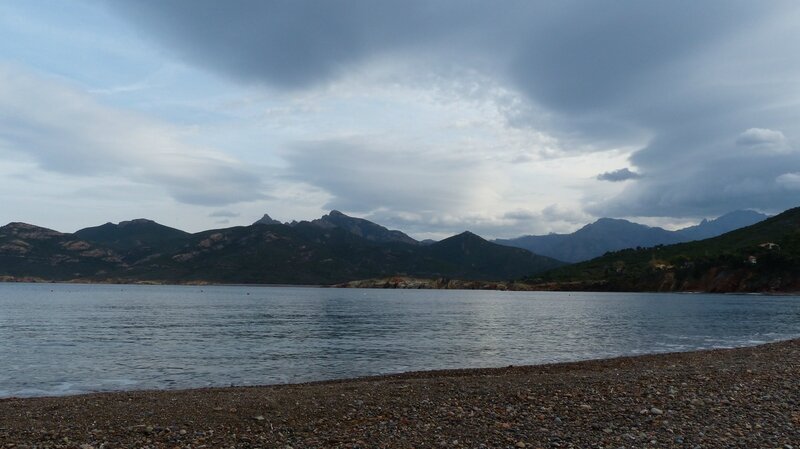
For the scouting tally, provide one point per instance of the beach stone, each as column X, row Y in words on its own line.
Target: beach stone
column 468, row 410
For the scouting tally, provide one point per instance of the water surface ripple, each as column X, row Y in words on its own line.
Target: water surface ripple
column 64, row 339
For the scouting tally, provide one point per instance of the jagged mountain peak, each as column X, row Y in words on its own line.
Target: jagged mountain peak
column 362, row 228
column 267, row 220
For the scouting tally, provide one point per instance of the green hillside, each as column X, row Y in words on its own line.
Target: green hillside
column 757, row 258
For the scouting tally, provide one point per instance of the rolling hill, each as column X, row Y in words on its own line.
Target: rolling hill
column 135, row 239
column 28, row 251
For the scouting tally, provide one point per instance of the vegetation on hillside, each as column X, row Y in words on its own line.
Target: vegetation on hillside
column 761, row 257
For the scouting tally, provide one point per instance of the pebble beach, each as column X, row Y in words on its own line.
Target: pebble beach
column 727, row 398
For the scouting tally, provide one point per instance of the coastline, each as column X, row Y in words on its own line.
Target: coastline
column 714, row 398
column 410, row 283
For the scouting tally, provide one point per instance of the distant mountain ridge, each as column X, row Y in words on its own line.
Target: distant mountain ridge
column 358, row 226
column 134, row 240
column 131, row 234
column 729, row 222
column 333, row 249
column 763, row 257
column 362, row 228
column 608, row 234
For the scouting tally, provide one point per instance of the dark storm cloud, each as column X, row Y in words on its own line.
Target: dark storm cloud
column 593, row 56
column 570, row 55
column 288, row 43
column 623, row 174
column 708, row 82
column 712, row 180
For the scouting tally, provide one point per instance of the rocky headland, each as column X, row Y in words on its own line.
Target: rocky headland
column 412, row 283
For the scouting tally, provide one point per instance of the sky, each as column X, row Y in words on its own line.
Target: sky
column 433, row 117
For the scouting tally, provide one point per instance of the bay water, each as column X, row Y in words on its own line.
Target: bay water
column 58, row 339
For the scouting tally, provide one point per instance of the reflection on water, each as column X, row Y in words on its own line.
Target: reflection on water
column 65, row 339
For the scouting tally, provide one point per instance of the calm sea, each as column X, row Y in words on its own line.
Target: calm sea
column 58, row 339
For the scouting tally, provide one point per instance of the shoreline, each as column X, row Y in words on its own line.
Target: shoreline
column 712, row 398
column 415, row 284
column 414, row 374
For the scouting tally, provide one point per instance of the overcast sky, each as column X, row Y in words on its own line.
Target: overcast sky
column 504, row 118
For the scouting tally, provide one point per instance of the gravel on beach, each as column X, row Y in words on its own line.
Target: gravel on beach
column 737, row 398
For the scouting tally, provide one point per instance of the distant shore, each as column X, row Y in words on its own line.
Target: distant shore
column 745, row 397
column 407, row 283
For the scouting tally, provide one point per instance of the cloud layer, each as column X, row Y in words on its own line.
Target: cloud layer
column 706, row 89
column 64, row 130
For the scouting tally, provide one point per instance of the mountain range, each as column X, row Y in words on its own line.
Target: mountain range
column 332, row 249
column 337, row 248
column 763, row 257
column 608, row 234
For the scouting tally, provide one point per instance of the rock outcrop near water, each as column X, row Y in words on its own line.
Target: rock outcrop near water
column 409, row 283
